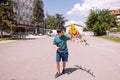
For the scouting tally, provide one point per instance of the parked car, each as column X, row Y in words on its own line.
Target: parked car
column 52, row 33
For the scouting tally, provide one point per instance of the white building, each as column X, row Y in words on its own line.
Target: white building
column 117, row 14
column 23, row 10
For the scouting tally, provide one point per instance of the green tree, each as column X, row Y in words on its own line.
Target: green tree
column 99, row 21
column 51, row 22
column 38, row 14
column 92, row 19
column 54, row 21
column 6, row 15
column 60, row 20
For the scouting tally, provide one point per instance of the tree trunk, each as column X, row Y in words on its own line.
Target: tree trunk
column 1, row 32
column 11, row 31
column 36, row 30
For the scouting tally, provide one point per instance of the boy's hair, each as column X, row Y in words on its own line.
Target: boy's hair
column 59, row 30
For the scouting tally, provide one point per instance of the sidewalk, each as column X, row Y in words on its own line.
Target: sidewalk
column 27, row 37
column 33, row 36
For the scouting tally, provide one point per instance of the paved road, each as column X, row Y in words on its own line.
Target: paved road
column 34, row 59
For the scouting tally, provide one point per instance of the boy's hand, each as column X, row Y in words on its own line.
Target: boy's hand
column 58, row 48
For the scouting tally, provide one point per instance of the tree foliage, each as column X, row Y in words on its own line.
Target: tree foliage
column 99, row 21
column 38, row 12
column 50, row 22
column 54, row 21
column 6, row 15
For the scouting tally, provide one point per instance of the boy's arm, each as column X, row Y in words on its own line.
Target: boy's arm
column 54, row 44
column 69, row 37
column 58, row 48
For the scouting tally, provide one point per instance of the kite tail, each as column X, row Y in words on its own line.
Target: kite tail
column 80, row 37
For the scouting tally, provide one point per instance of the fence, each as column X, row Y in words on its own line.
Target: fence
column 113, row 34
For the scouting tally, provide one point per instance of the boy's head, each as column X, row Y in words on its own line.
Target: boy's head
column 60, row 32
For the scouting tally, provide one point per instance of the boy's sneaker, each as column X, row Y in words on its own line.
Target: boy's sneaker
column 57, row 74
column 63, row 71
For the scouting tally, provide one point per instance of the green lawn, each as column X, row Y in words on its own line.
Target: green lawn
column 4, row 39
column 11, row 38
column 115, row 39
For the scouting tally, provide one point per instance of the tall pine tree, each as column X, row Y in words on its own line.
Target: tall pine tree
column 38, row 15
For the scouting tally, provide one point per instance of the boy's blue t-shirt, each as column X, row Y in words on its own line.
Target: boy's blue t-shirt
column 61, row 42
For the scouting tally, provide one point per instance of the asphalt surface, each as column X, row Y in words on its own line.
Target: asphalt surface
column 34, row 59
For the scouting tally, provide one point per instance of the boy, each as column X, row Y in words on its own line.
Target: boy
column 60, row 43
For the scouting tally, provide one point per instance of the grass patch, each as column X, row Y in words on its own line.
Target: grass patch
column 11, row 38
column 4, row 39
column 115, row 39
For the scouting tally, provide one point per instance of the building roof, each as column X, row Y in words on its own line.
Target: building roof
column 75, row 25
column 115, row 12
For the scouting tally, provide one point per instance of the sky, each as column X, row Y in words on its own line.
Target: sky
column 76, row 11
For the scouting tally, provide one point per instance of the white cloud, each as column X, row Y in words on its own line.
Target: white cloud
column 90, row 4
column 83, row 9
column 76, row 10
